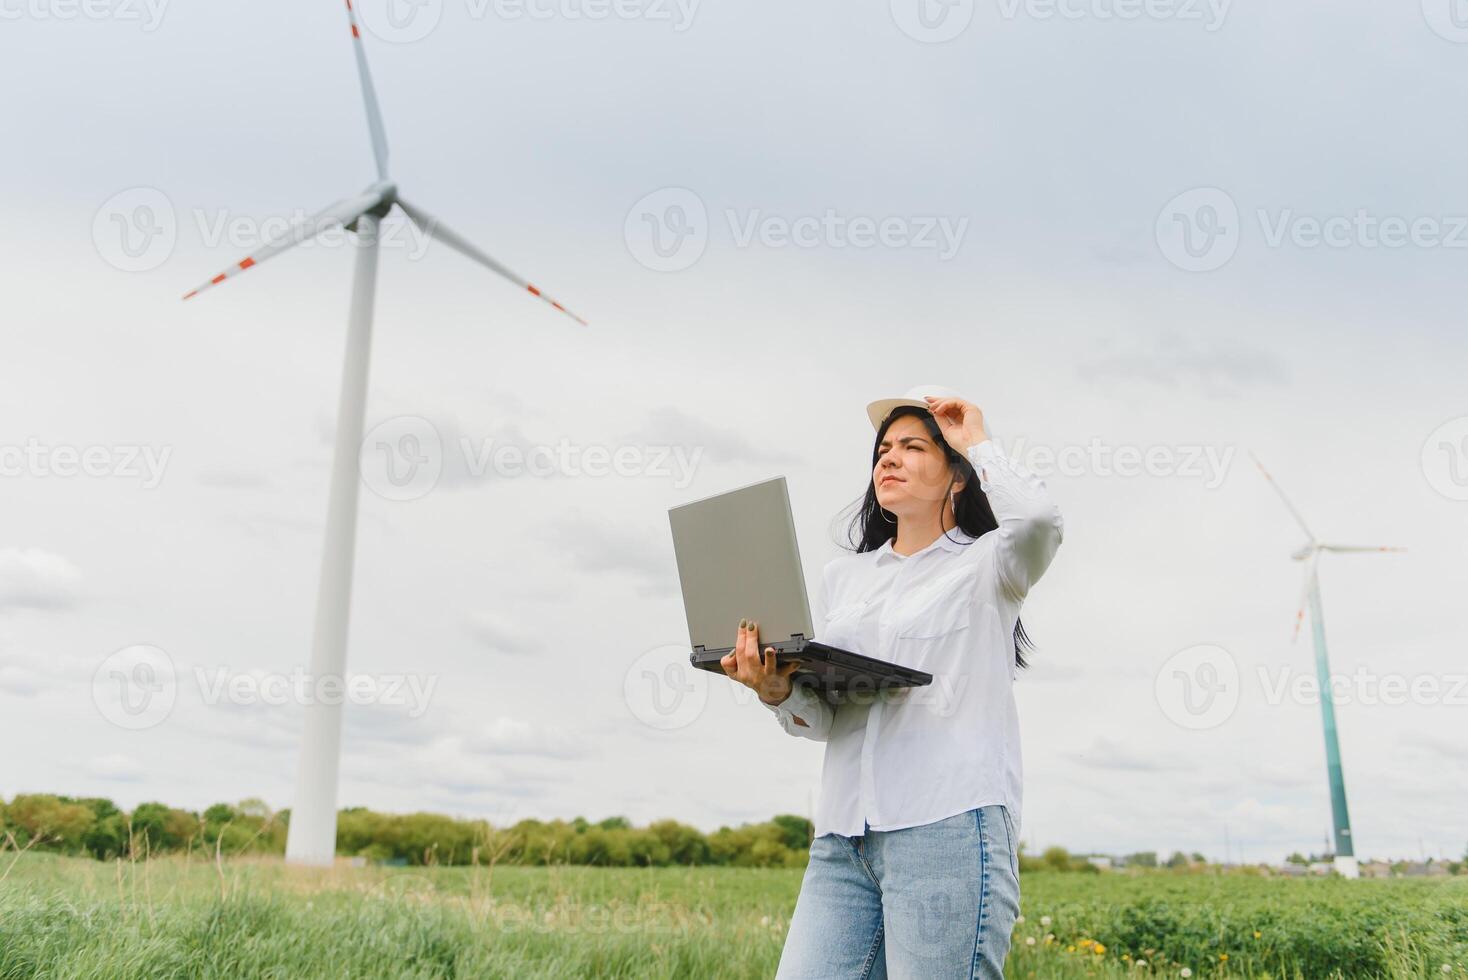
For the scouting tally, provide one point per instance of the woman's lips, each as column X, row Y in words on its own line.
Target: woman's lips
column 893, row 479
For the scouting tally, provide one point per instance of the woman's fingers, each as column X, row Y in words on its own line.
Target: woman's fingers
column 768, row 666
column 750, row 658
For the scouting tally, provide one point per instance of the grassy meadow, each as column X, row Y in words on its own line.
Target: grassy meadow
column 65, row 917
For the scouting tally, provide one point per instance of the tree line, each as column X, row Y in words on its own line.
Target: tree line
column 99, row 828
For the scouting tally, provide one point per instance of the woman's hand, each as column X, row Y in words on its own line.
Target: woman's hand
column 772, row 684
column 961, row 422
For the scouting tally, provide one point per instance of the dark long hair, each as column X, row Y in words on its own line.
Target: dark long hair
column 869, row 530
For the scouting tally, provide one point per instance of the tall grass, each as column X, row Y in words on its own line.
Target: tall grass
column 208, row 916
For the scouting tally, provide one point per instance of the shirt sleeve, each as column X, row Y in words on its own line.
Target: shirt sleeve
column 807, row 706
column 1030, row 526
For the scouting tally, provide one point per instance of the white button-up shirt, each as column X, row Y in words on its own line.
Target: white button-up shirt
column 911, row 756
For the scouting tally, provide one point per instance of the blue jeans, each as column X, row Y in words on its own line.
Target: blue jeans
column 935, row 901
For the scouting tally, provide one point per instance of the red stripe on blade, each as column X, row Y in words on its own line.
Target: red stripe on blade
column 533, row 290
column 219, row 279
column 247, row 263
column 356, row 33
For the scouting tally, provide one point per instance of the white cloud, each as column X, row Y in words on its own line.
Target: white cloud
column 503, row 635
column 34, row 579
column 510, row 736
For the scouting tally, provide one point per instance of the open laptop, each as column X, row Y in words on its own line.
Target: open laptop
column 737, row 559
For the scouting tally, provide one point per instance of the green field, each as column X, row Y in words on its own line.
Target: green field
column 63, row 917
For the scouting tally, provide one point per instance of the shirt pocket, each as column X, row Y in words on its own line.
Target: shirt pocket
column 937, row 608
column 840, row 625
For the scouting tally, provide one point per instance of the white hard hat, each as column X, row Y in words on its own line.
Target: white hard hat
column 878, row 410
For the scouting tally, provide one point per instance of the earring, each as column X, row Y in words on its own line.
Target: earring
column 884, row 515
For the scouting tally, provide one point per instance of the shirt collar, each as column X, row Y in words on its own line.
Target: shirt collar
column 954, row 540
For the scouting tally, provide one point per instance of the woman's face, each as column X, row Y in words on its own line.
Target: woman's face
column 912, row 472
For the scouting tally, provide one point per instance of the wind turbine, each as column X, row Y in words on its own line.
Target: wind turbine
column 1345, row 850
column 312, row 838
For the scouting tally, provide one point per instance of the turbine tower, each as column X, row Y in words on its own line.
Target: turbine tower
column 1345, row 849
column 312, row 838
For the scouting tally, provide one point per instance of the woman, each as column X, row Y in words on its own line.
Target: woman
column 914, row 870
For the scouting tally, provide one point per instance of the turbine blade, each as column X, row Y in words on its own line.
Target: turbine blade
column 1348, row 549
column 438, row 231
column 1305, row 595
column 341, row 213
column 369, row 97
column 1294, row 511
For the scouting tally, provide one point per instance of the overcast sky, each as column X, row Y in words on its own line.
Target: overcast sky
column 1177, row 229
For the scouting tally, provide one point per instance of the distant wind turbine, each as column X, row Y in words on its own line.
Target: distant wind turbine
column 1345, row 850
column 312, row 837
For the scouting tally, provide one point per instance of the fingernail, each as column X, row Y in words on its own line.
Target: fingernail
column 741, row 623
